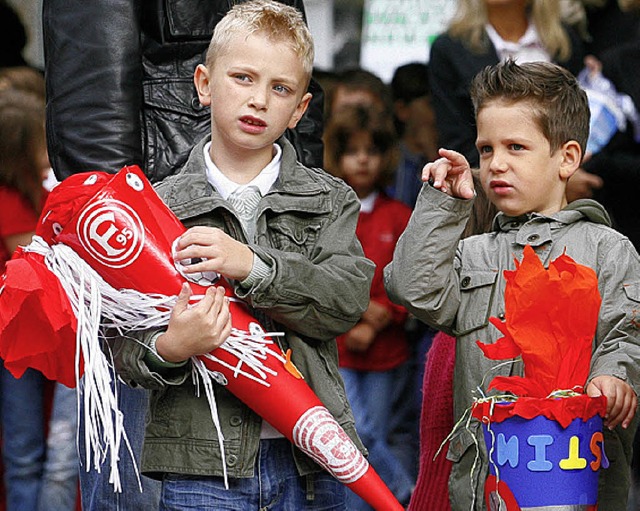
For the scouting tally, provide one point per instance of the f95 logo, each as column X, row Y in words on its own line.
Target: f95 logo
column 111, row 232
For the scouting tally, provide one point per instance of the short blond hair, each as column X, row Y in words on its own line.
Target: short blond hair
column 279, row 22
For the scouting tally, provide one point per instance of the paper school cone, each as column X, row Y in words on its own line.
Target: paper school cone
column 547, row 433
column 125, row 233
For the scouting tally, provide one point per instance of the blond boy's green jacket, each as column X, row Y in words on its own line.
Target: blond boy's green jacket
column 319, row 289
column 456, row 286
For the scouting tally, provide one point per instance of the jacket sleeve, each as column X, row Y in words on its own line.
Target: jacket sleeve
column 129, row 352
column 423, row 274
column 323, row 295
column 93, row 79
column 617, row 350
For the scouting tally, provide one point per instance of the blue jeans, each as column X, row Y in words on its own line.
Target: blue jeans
column 97, row 493
column 404, row 435
column 275, row 486
column 60, row 478
column 40, row 473
column 371, row 396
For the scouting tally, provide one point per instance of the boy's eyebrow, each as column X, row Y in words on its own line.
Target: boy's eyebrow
column 521, row 139
column 248, row 68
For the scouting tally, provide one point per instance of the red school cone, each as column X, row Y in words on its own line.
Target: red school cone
column 125, row 233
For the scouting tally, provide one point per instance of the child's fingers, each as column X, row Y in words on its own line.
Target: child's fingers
column 183, row 299
column 436, row 172
column 226, row 330
column 212, row 301
column 614, row 410
column 454, row 157
column 464, row 187
column 631, row 404
column 441, row 168
column 622, row 402
column 194, row 241
column 430, row 170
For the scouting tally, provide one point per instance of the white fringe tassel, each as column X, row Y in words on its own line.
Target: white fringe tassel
column 97, row 303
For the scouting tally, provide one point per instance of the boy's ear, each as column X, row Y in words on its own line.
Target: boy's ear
column 571, row 158
column 201, row 81
column 299, row 111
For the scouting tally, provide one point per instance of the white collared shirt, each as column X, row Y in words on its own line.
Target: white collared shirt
column 264, row 180
column 366, row 204
column 529, row 47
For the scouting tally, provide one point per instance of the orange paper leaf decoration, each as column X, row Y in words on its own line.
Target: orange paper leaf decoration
column 551, row 317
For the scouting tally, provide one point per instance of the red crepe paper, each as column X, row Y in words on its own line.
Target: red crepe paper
column 37, row 323
column 562, row 410
column 551, row 318
column 31, row 341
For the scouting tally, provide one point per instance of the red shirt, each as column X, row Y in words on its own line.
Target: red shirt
column 17, row 216
column 378, row 232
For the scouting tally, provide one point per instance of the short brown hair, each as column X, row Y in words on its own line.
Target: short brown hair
column 358, row 119
column 559, row 105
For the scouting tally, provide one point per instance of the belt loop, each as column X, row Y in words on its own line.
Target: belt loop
column 311, row 496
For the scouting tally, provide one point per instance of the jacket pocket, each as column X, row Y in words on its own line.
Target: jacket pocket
column 477, row 290
column 459, row 444
column 294, row 234
column 632, row 291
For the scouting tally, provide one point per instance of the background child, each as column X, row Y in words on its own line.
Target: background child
column 361, row 147
column 415, row 123
column 40, row 472
column 532, row 129
column 284, row 236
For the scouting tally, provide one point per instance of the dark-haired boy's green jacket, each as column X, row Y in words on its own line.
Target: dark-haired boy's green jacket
column 457, row 285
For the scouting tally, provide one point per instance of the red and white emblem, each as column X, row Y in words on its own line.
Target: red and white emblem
column 322, row 438
column 111, row 232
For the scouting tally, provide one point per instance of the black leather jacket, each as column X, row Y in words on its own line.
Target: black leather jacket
column 120, row 91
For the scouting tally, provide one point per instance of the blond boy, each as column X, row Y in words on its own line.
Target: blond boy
column 284, row 236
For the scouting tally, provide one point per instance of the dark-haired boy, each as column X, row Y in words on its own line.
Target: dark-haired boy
column 533, row 124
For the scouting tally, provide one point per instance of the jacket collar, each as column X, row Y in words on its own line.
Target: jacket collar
column 575, row 211
column 188, row 191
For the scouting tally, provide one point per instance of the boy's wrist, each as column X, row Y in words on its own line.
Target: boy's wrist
column 155, row 359
column 259, row 271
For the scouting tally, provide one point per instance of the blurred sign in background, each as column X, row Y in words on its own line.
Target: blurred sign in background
column 396, row 32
